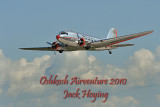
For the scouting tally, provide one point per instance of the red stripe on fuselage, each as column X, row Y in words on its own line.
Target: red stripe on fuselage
column 70, row 37
column 65, row 37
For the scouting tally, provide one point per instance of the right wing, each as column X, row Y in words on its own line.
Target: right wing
column 112, row 41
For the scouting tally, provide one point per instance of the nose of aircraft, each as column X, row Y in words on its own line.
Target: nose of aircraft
column 57, row 37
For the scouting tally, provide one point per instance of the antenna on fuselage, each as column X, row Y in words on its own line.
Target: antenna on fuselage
column 78, row 37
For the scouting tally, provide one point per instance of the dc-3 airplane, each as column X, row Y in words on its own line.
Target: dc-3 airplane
column 72, row 41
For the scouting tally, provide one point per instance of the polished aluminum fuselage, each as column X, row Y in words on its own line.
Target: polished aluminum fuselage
column 72, row 38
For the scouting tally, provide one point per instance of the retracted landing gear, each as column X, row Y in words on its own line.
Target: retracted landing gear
column 110, row 52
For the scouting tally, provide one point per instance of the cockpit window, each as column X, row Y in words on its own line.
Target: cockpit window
column 62, row 32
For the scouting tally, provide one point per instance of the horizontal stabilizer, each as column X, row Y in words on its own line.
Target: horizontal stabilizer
column 122, row 45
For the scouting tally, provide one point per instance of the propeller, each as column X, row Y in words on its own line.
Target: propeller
column 53, row 46
column 49, row 43
column 80, row 40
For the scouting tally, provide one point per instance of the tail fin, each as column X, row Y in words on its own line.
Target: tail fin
column 112, row 33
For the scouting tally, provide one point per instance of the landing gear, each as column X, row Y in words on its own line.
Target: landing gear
column 110, row 52
column 60, row 51
column 87, row 47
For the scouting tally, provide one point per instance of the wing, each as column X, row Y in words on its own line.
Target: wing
column 112, row 41
column 39, row 48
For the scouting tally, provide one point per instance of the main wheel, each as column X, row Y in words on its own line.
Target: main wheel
column 60, row 51
column 110, row 52
column 88, row 47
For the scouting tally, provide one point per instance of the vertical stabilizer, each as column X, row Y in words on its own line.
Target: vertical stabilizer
column 112, row 33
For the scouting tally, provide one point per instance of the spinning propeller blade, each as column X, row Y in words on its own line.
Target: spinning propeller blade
column 49, row 43
column 53, row 46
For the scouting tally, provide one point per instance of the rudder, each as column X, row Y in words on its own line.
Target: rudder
column 112, row 33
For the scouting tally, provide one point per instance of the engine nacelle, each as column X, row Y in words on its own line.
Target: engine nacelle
column 81, row 42
column 55, row 45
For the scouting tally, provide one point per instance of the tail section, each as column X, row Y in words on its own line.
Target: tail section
column 112, row 33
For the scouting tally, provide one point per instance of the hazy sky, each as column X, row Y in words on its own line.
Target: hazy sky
column 32, row 23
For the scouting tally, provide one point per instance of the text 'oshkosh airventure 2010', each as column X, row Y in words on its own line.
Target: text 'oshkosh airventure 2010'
column 73, row 41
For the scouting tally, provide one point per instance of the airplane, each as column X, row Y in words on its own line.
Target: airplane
column 73, row 41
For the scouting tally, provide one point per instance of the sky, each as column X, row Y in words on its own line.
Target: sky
column 32, row 23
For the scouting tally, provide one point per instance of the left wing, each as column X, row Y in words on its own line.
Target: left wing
column 112, row 41
column 54, row 47
column 39, row 48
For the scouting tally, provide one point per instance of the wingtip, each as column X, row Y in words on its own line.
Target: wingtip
column 22, row 48
column 149, row 32
column 152, row 31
